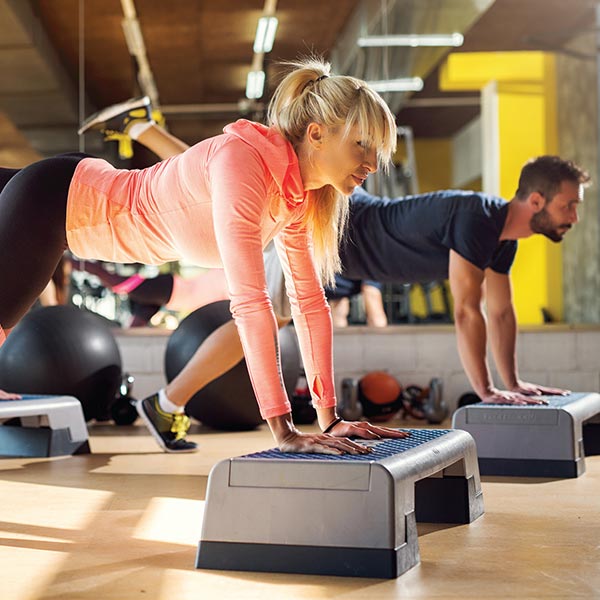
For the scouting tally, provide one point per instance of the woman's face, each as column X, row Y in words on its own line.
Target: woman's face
column 343, row 161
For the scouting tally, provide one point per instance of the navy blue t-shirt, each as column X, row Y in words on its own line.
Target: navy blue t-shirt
column 408, row 240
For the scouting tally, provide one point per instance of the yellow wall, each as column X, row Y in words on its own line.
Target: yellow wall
column 434, row 163
column 527, row 127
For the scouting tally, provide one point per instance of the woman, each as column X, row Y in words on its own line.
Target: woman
column 217, row 205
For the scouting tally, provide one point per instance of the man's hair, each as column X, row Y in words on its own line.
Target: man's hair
column 545, row 174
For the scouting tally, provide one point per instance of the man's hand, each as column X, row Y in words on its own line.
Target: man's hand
column 494, row 396
column 9, row 396
column 533, row 389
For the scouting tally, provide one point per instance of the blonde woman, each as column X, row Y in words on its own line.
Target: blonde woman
column 218, row 204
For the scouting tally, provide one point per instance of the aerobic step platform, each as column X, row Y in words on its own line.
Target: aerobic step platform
column 338, row 515
column 532, row 440
column 50, row 426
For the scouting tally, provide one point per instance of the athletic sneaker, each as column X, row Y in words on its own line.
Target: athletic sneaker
column 168, row 429
column 118, row 118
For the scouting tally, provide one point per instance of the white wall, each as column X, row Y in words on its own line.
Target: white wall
column 466, row 154
column 556, row 355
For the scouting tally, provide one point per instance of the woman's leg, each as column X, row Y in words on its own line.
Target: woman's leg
column 219, row 352
column 135, row 119
column 160, row 141
column 32, row 232
column 6, row 175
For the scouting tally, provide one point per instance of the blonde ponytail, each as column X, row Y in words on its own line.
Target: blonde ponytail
column 310, row 93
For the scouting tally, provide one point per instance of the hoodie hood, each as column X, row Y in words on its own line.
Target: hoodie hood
column 277, row 154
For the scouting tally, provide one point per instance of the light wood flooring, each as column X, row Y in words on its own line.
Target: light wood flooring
column 124, row 523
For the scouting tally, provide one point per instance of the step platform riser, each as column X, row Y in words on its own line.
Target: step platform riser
column 352, row 516
column 533, row 441
column 48, row 426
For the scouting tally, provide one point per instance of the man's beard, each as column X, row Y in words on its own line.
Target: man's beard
column 542, row 223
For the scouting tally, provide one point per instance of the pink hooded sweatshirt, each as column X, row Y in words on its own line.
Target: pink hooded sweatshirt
column 218, row 205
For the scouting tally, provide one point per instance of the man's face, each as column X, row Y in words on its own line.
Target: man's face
column 559, row 214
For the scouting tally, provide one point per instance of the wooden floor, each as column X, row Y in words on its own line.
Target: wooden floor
column 124, row 523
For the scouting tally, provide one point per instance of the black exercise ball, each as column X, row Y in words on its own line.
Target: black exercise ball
column 228, row 402
column 63, row 350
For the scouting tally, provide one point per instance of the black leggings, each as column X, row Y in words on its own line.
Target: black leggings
column 33, row 206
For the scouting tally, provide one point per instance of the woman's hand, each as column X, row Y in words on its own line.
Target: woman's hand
column 9, row 396
column 366, row 431
column 336, row 441
column 320, row 443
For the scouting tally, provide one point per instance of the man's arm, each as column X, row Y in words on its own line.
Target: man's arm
column 502, row 322
column 466, row 284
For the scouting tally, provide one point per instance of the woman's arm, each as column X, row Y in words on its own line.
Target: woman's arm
column 312, row 321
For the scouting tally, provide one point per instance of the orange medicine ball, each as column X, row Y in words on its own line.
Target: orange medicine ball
column 380, row 394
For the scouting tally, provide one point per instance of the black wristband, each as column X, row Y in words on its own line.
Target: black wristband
column 332, row 424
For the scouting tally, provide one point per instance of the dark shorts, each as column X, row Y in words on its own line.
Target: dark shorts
column 346, row 288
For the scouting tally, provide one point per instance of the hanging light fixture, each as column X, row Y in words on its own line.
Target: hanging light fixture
column 265, row 34
column 255, row 84
column 411, row 40
column 403, row 84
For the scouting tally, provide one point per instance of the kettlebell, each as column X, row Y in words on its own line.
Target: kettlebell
column 434, row 407
column 350, row 406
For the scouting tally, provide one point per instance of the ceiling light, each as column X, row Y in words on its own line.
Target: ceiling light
column 255, row 84
column 265, row 34
column 414, row 40
column 405, row 84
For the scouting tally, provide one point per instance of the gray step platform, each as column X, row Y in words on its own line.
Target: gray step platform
column 49, row 426
column 338, row 515
column 533, row 440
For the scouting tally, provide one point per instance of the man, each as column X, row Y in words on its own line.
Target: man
column 471, row 239
column 468, row 237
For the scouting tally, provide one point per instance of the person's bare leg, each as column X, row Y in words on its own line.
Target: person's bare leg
column 219, row 352
column 160, row 141
column 339, row 311
column 4, row 333
column 373, row 300
column 49, row 296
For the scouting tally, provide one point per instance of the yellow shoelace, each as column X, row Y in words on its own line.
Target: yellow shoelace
column 180, row 426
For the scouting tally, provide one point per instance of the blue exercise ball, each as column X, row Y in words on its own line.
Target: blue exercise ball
column 66, row 351
column 228, row 402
